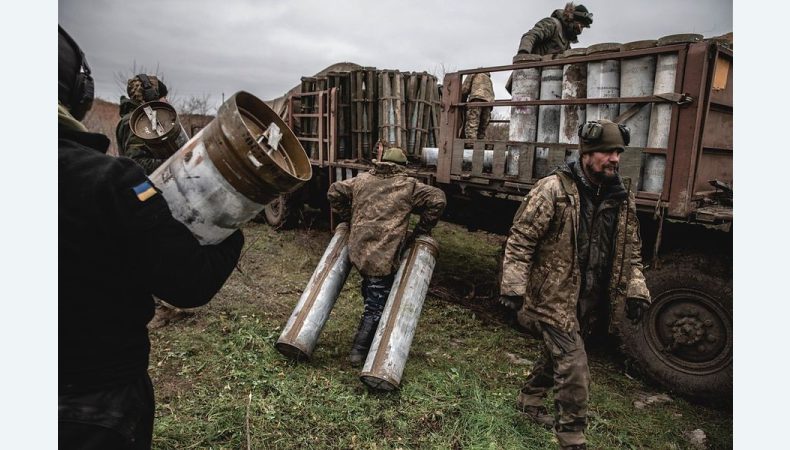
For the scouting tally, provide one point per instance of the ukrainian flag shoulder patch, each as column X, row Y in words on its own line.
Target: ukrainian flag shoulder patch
column 144, row 190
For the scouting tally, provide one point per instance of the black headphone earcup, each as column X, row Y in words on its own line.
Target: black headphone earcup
column 82, row 95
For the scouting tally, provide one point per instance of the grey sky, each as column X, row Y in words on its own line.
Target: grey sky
column 208, row 47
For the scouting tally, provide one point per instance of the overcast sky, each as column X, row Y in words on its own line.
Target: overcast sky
column 206, row 47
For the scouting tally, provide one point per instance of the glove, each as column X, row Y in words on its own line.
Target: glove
column 512, row 302
column 635, row 308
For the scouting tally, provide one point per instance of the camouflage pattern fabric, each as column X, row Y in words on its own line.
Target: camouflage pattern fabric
column 545, row 38
column 477, row 118
column 562, row 367
column 478, row 86
column 540, row 261
column 135, row 91
column 378, row 205
column 130, row 145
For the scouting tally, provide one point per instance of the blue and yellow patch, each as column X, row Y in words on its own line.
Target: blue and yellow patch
column 144, row 190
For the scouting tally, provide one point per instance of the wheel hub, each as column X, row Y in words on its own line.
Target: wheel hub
column 690, row 331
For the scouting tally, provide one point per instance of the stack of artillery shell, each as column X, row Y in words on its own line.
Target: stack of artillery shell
column 574, row 85
column 548, row 117
column 364, row 131
column 392, row 108
column 603, row 81
column 421, row 100
column 342, row 81
column 637, row 77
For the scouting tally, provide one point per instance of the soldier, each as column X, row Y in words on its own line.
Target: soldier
column 573, row 252
column 141, row 88
column 477, row 87
column 118, row 244
column 553, row 35
column 378, row 205
column 144, row 88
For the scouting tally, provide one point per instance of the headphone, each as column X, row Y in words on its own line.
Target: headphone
column 81, row 97
column 149, row 91
column 591, row 132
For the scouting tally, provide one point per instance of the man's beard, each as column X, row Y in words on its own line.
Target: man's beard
column 601, row 177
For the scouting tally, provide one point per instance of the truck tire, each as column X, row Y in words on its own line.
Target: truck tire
column 684, row 341
column 282, row 212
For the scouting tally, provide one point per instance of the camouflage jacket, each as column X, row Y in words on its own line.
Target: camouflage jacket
column 541, row 262
column 130, row 145
column 546, row 37
column 378, row 205
column 478, row 86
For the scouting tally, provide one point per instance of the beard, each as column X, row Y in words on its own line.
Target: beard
column 601, row 176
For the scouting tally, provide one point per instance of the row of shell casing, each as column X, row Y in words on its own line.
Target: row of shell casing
column 389, row 351
column 637, row 76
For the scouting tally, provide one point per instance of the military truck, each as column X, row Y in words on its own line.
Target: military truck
column 683, row 185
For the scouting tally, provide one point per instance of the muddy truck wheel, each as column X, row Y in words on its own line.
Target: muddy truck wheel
column 281, row 213
column 684, row 341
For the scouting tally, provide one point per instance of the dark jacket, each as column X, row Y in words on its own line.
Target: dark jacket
column 130, row 145
column 115, row 251
column 378, row 204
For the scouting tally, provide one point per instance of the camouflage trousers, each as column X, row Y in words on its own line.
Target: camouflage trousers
column 375, row 291
column 477, row 119
column 563, row 367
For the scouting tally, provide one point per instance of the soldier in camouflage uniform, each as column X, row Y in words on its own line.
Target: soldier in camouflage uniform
column 141, row 89
column 553, row 35
column 574, row 252
column 378, row 205
column 477, row 87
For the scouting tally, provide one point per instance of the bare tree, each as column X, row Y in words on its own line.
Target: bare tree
column 440, row 70
column 196, row 105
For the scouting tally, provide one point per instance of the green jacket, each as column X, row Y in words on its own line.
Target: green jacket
column 130, row 145
column 378, row 205
column 541, row 262
column 546, row 37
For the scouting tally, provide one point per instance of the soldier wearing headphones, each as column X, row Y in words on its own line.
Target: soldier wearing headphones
column 571, row 260
column 141, row 88
column 118, row 245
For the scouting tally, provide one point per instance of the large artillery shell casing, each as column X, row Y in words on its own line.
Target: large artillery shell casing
column 167, row 136
column 390, row 348
column 222, row 177
column 300, row 334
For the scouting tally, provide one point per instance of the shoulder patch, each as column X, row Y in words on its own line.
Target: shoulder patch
column 144, row 190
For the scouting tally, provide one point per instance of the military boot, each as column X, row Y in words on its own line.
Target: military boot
column 362, row 340
column 538, row 414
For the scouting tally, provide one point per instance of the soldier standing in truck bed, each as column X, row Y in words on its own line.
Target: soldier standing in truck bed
column 477, row 87
column 555, row 34
column 572, row 254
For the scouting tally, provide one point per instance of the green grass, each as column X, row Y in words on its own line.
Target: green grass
column 220, row 383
